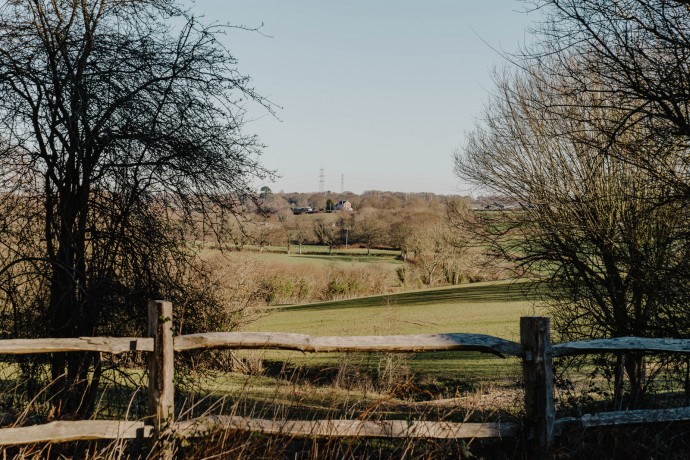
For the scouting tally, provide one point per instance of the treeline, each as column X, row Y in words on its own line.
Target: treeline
column 368, row 199
column 377, row 220
column 418, row 226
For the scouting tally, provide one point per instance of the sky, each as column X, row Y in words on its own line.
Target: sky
column 379, row 94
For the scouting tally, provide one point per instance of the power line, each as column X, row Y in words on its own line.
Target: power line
column 321, row 181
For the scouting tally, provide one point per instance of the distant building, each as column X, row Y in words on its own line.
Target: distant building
column 343, row 205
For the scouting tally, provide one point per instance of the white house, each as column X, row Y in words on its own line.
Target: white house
column 343, row 205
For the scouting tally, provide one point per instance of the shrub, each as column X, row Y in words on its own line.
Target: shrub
column 250, row 283
column 278, row 288
column 401, row 273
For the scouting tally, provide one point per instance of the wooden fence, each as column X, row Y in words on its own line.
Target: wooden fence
column 539, row 426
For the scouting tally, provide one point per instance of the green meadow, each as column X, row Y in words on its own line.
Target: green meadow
column 492, row 308
column 321, row 258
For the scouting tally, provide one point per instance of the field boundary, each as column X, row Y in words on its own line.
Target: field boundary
column 538, row 426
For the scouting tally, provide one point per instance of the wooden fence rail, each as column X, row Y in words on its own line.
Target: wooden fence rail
column 78, row 430
column 374, row 343
column 619, row 344
column 539, row 426
column 348, row 428
column 89, row 430
column 114, row 345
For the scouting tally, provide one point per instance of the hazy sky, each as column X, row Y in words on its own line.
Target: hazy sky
column 379, row 92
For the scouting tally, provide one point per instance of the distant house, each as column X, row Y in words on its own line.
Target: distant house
column 343, row 205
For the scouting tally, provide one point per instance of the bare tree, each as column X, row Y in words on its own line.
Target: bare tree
column 425, row 241
column 288, row 225
column 301, row 230
column 599, row 230
column 326, row 232
column 118, row 127
column 463, row 256
column 635, row 52
column 369, row 228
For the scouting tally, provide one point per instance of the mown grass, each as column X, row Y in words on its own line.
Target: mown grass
column 324, row 259
column 488, row 308
column 321, row 249
column 492, row 308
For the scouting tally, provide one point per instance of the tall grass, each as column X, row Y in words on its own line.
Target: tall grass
column 259, row 282
column 384, row 390
column 290, row 396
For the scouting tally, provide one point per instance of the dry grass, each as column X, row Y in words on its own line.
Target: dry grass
column 267, row 282
column 388, row 393
column 277, row 399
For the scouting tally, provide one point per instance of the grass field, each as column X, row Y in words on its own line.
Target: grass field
column 492, row 308
column 308, row 249
column 322, row 259
column 487, row 308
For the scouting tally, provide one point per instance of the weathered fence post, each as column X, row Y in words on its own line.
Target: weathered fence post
column 537, row 370
column 161, row 392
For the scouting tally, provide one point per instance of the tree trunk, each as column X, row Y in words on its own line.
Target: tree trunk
column 636, row 371
column 686, row 380
column 618, row 383
column 71, row 312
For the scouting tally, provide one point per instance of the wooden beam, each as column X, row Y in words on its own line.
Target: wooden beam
column 622, row 344
column 66, row 431
column 631, row 417
column 347, row 428
column 537, row 373
column 391, row 343
column 113, row 345
column 161, row 391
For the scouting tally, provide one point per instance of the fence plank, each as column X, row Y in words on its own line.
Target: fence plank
column 622, row 344
column 537, row 372
column 347, row 428
column 161, row 391
column 113, row 345
column 391, row 343
column 65, row 431
column 631, row 417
